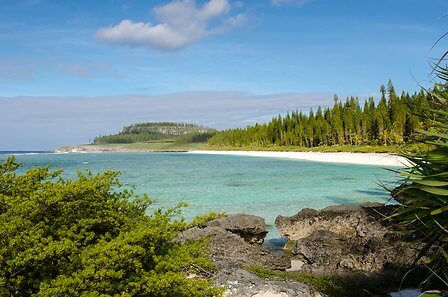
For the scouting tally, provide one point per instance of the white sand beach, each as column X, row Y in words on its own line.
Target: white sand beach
column 349, row 158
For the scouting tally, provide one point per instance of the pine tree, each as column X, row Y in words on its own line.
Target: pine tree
column 392, row 121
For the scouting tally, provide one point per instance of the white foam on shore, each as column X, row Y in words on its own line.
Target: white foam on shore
column 27, row 154
column 348, row 158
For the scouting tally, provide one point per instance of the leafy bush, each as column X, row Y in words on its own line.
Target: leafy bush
column 423, row 192
column 201, row 221
column 84, row 238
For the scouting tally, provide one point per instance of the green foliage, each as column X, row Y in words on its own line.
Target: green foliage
column 195, row 137
column 84, row 238
column 128, row 138
column 423, row 191
column 156, row 131
column 139, row 127
column 391, row 121
column 322, row 284
column 414, row 147
column 201, row 221
column 342, row 285
column 335, row 286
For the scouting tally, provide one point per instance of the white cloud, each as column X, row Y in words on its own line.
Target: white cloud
column 73, row 120
column 289, row 2
column 181, row 23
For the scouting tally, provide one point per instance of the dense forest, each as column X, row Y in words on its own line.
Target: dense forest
column 391, row 121
column 157, row 131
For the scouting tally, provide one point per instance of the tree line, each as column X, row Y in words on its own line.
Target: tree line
column 390, row 121
column 156, row 131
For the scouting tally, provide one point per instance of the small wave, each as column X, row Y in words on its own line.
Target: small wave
column 23, row 153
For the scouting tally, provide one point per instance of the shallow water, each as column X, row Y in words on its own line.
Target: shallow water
column 267, row 187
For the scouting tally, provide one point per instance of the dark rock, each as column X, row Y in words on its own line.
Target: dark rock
column 228, row 250
column 347, row 220
column 323, row 249
column 325, row 252
column 345, row 239
column 251, row 228
column 242, row 283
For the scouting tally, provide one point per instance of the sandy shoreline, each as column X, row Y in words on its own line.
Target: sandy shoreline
column 376, row 159
column 348, row 158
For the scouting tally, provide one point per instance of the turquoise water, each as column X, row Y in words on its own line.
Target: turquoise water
column 267, row 187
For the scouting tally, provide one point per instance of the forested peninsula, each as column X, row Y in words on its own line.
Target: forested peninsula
column 380, row 125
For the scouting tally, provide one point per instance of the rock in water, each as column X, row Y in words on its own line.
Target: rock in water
column 252, row 229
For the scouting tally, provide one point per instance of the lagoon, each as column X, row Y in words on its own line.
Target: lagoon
column 267, row 187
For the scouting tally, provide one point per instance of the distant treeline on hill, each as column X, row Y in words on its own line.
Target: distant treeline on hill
column 157, row 131
column 391, row 121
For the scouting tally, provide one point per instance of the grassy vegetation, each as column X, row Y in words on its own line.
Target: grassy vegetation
column 354, row 285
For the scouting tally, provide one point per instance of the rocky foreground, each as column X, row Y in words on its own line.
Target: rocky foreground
column 343, row 239
column 338, row 240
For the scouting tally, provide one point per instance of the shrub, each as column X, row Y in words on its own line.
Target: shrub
column 84, row 237
column 423, row 191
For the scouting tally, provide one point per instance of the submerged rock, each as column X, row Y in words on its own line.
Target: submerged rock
column 252, row 229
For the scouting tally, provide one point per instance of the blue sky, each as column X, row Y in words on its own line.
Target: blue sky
column 98, row 65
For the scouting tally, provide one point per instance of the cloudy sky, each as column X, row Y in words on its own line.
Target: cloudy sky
column 71, row 70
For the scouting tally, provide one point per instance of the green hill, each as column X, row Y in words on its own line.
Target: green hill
column 158, row 131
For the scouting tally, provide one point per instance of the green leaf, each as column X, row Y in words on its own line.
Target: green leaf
column 432, row 183
column 439, row 210
column 436, row 191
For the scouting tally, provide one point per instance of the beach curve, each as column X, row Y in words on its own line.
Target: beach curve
column 376, row 159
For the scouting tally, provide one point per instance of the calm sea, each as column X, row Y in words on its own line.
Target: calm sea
column 267, row 187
